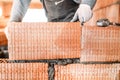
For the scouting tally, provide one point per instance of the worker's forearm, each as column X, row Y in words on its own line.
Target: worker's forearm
column 19, row 9
column 91, row 3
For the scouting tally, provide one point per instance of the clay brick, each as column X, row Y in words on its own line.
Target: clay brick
column 23, row 71
column 112, row 13
column 104, row 3
column 44, row 40
column 3, row 39
column 87, row 72
column 100, row 44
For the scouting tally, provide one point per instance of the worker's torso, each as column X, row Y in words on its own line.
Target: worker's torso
column 60, row 10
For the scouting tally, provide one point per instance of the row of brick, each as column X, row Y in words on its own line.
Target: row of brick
column 29, row 41
column 103, row 9
column 38, row 71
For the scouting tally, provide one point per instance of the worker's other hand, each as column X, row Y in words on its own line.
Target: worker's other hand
column 83, row 13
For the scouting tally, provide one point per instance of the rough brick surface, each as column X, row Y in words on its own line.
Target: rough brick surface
column 87, row 72
column 44, row 40
column 112, row 13
column 105, row 9
column 23, row 71
column 104, row 3
column 3, row 39
column 100, row 44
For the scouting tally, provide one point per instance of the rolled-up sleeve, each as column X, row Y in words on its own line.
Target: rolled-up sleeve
column 91, row 3
column 77, row 1
column 18, row 10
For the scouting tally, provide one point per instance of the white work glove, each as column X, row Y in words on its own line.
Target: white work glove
column 83, row 13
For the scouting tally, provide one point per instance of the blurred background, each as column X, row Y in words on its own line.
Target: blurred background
column 35, row 9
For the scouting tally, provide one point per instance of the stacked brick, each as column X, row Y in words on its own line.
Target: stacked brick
column 90, row 44
column 47, row 41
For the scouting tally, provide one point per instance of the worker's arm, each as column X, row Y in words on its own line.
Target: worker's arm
column 91, row 3
column 19, row 9
column 84, row 12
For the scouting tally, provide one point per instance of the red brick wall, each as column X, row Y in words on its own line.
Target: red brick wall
column 63, row 40
column 89, row 43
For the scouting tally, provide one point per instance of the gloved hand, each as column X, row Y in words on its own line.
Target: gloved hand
column 83, row 13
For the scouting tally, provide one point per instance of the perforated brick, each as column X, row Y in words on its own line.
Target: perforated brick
column 100, row 44
column 30, row 41
column 23, row 71
column 87, row 72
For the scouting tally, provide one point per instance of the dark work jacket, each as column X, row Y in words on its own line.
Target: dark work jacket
column 62, row 12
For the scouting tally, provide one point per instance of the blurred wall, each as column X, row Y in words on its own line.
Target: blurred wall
column 6, row 5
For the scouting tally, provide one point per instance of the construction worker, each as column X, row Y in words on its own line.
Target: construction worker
column 56, row 10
